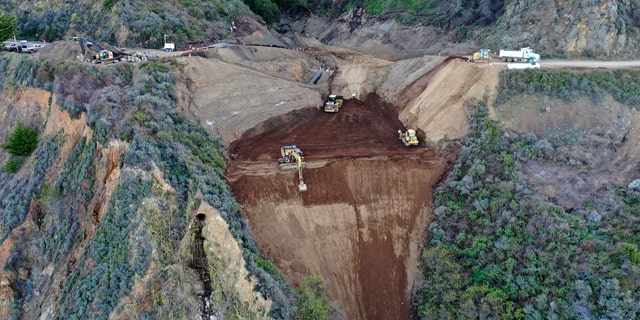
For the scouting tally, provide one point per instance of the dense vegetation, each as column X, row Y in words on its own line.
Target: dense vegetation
column 441, row 13
column 495, row 250
column 135, row 104
column 622, row 84
column 194, row 21
column 143, row 22
column 7, row 26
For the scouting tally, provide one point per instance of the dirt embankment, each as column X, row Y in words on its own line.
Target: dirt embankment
column 361, row 221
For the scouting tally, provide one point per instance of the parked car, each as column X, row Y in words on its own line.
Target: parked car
column 11, row 46
column 31, row 48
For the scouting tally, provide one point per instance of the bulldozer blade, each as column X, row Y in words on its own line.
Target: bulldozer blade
column 302, row 187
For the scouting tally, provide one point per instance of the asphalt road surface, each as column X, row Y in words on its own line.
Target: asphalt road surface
column 590, row 64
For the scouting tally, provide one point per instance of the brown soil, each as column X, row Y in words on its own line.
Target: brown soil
column 362, row 218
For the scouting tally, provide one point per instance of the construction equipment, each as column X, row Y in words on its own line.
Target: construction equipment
column 169, row 47
column 334, row 103
column 292, row 159
column 481, row 55
column 101, row 55
column 522, row 55
column 408, row 137
column 104, row 55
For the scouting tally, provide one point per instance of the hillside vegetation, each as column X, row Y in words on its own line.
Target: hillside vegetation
column 105, row 254
column 497, row 249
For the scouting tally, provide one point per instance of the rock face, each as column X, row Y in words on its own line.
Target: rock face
column 570, row 28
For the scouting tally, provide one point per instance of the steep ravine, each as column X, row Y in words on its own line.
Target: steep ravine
column 361, row 222
column 359, row 226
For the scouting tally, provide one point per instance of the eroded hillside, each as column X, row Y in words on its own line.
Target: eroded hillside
column 127, row 207
column 361, row 221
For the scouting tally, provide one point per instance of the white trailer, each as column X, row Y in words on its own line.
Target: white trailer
column 522, row 55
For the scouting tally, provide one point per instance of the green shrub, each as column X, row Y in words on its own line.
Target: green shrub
column 22, row 141
column 12, row 165
column 315, row 301
column 268, row 266
column 109, row 4
column 266, row 9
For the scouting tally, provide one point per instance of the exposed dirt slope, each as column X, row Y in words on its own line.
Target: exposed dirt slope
column 360, row 223
column 437, row 101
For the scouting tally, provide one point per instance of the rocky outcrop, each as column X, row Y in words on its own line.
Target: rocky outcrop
column 563, row 28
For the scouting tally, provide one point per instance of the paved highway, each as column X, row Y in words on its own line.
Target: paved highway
column 590, row 64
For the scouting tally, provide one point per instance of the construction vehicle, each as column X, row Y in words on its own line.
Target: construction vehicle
column 169, row 47
column 104, row 55
column 334, row 103
column 101, row 55
column 481, row 55
column 522, row 55
column 408, row 137
column 292, row 159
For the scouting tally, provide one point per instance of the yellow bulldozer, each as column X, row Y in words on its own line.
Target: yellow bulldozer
column 292, row 159
column 104, row 55
column 408, row 137
column 481, row 55
column 334, row 103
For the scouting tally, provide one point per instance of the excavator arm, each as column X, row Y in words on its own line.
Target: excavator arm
column 292, row 159
column 301, row 186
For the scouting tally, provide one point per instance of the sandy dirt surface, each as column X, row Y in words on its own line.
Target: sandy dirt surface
column 360, row 223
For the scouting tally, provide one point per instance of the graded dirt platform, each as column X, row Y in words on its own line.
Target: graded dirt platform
column 368, row 203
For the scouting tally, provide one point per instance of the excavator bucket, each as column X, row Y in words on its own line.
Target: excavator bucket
column 302, row 187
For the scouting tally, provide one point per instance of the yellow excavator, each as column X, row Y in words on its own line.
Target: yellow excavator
column 292, row 159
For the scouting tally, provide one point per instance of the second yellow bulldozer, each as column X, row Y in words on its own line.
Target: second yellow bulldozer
column 408, row 137
column 334, row 103
column 292, row 159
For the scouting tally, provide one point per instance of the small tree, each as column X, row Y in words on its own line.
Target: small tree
column 22, row 141
column 315, row 301
column 7, row 26
column 266, row 9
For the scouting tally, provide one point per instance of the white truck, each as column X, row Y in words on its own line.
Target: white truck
column 169, row 47
column 522, row 55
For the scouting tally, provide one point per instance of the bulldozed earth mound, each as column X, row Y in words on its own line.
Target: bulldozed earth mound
column 361, row 221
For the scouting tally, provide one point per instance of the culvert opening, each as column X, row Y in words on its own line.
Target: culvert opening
column 360, row 224
column 200, row 217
